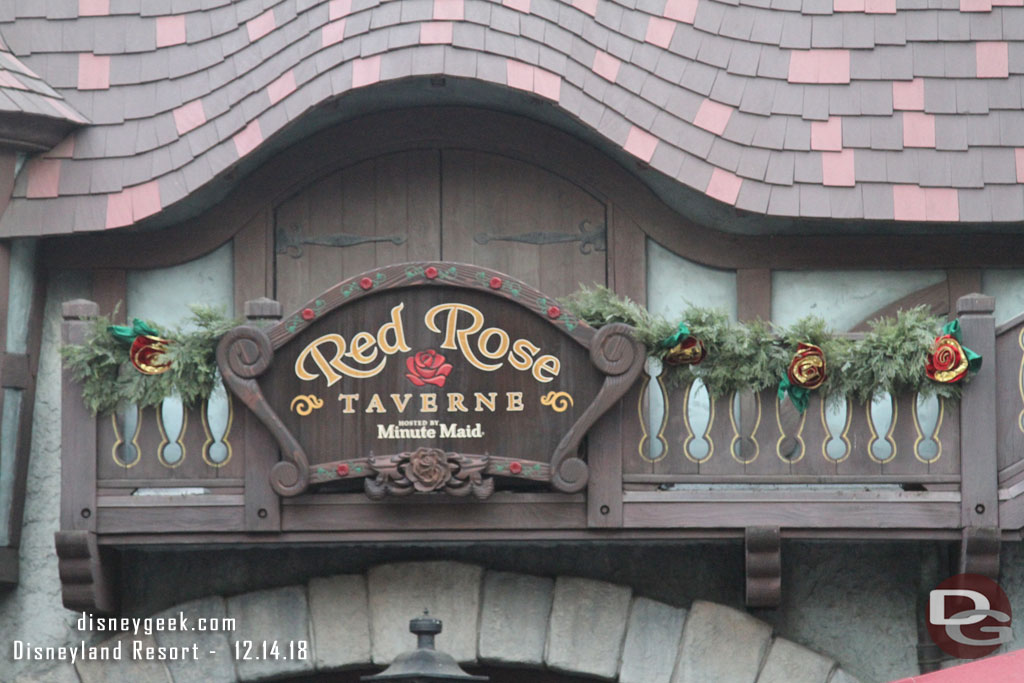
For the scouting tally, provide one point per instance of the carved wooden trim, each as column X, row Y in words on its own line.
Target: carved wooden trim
column 618, row 355
column 86, row 573
column 427, row 470
column 246, row 352
column 763, row 551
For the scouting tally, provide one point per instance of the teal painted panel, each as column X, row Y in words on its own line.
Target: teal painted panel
column 8, row 447
column 1007, row 286
column 842, row 298
column 673, row 283
column 19, row 303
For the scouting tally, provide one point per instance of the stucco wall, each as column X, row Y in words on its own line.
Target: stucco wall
column 33, row 611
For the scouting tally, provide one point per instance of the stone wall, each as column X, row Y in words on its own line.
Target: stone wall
column 595, row 629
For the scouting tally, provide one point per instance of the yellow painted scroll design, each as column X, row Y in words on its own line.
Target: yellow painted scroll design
column 558, row 401
column 304, row 404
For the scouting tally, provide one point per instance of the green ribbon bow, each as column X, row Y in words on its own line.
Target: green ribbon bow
column 682, row 333
column 952, row 328
column 126, row 335
column 798, row 395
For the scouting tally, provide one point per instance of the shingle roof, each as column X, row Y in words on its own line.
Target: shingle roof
column 33, row 116
column 854, row 109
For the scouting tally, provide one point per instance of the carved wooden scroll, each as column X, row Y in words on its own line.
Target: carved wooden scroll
column 430, row 377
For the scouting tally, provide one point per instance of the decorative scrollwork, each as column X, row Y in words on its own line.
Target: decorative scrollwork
column 290, row 478
column 247, row 351
column 304, row 404
column 614, row 350
column 427, row 470
column 570, row 475
column 618, row 355
column 558, row 401
column 243, row 354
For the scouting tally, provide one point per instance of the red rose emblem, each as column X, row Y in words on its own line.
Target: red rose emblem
column 947, row 361
column 148, row 355
column 427, row 367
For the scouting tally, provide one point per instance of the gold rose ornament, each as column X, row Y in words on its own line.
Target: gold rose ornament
column 806, row 373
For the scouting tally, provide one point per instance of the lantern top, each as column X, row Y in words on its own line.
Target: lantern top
column 424, row 664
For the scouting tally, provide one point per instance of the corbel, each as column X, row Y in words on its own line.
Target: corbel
column 86, row 573
column 979, row 551
column 763, row 551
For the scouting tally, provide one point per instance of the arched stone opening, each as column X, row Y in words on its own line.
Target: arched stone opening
column 563, row 628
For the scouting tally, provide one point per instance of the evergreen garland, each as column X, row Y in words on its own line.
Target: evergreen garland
column 753, row 356
column 749, row 356
column 109, row 381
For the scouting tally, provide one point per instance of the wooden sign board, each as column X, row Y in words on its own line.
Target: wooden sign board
column 430, row 377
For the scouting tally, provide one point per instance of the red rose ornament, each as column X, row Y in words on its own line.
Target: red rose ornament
column 947, row 361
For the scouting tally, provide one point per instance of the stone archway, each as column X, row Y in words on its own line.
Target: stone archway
column 571, row 625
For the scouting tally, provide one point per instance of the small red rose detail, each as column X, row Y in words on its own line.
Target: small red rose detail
column 554, row 311
column 308, row 314
column 149, row 355
column 515, row 468
column 947, row 362
column 366, row 283
column 342, row 470
column 427, row 367
column 495, row 283
column 431, row 272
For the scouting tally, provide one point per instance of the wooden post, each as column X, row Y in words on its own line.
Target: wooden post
column 604, row 457
column 978, row 462
column 9, row 554
column 754, row 294
column 262, row 504
column 86, row 571
column 78, row 431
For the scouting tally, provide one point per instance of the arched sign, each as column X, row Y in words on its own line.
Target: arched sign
column 429, row 377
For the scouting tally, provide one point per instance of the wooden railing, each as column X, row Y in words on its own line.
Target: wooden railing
column 660, row 466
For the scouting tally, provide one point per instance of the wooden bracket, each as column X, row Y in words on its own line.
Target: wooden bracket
column 86, row 573
column 979, row 551
column 763, row 550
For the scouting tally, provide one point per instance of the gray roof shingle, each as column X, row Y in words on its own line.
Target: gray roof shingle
column 749, row 60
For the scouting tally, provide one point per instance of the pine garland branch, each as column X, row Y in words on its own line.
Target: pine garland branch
column 109, row 381
column 753, row 356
